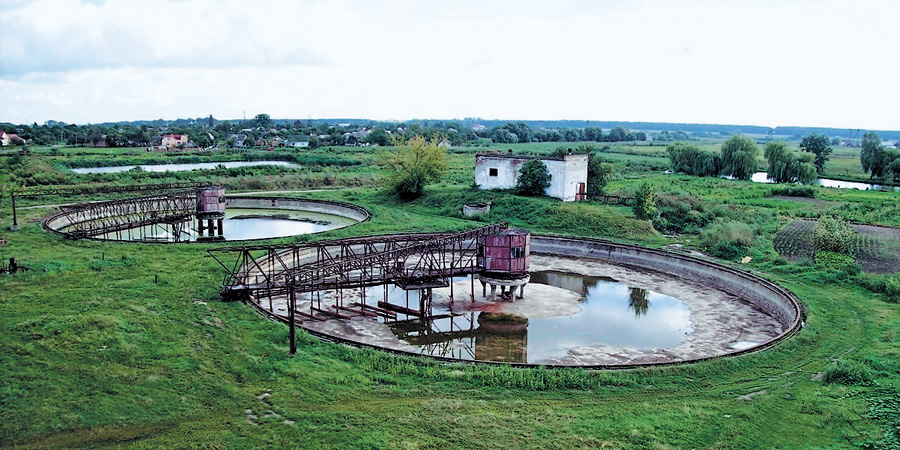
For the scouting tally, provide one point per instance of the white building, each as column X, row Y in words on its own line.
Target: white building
column 568, row 174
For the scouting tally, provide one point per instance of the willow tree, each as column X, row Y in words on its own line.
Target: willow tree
column 739, row 157
column 787, row 166
column 412, row 164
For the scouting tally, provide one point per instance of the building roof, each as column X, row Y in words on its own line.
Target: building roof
column 497, row 154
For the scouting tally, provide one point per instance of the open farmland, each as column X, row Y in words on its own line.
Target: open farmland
column 877, row 249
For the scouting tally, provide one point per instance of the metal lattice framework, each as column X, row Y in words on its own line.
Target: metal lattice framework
column 408, row 260
column 38, row 192
column 411, row 261
column 96, row 219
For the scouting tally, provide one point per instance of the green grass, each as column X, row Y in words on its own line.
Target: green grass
column 94, row 352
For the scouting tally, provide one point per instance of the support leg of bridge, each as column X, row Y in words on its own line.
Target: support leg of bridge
column 221, row 224
column 292, row 304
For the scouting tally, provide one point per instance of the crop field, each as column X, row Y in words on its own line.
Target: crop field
column 877, row 249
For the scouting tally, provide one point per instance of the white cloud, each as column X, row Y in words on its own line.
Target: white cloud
column 802, row 62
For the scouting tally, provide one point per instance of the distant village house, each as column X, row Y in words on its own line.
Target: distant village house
column 297, row 140
column 174, row 140
column 7, row 139
column 568, row 173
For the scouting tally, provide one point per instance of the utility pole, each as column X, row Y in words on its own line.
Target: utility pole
column 15, row 225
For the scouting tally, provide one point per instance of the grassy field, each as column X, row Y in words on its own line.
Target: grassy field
column 118, row 345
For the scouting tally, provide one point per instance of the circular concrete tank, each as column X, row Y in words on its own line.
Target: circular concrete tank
column 733, row 311
column 301, row 216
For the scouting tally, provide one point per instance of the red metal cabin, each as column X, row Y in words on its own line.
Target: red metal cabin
column 505, row 254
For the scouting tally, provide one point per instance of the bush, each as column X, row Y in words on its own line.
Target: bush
column 794, row 191
column 728, row 240
column 644, row 205
column 533, row 179
column 848, row 373
column 837, row 262
column 833, row 235
column 680, row 213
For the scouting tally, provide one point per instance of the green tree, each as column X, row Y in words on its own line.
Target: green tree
column 688, row 158
column 819, row 145
column 618, row 134
column 739, row 157
column 598, row 175
column 521, row 130
column 412, row 164
column 379, row 137
column 644, row 207
column 533, row 179
column 262, row 120
column 501, row 135
column 593, row 134
column 786, row 166
column 872, row 154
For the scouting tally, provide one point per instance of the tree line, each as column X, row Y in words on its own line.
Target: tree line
column 879, row 162
column 738, row 158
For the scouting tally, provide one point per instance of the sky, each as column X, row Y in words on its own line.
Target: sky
column 755, row 62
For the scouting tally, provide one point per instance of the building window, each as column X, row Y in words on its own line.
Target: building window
column 492, row 172
column 517, row 252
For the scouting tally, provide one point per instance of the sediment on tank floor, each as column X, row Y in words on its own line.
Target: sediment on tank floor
column 692, row 310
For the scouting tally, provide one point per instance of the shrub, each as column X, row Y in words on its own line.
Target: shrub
column 837, row 262
column 833, row 235
column 644, row 206
column 727, row 240
column 794, row 191
column 533, row 179
column 848, row 373
column 680, row 213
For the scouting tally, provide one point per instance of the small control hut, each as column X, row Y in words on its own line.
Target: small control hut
column 211, row 208
column 503, row 260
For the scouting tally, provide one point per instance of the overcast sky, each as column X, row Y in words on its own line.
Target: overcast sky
column 760, row 62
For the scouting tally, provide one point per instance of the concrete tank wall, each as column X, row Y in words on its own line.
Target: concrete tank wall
column 765, row 295
column 347, row 210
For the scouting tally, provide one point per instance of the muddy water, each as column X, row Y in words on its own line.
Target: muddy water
column 243, row 224
column 605, row 311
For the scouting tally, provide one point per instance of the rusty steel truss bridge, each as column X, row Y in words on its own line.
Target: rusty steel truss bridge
column 91, row 220
column 266, row 275
column 65, row 191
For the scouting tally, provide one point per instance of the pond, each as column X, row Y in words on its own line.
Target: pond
column 611, row 313
column 184, row 167
column 762, row 177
